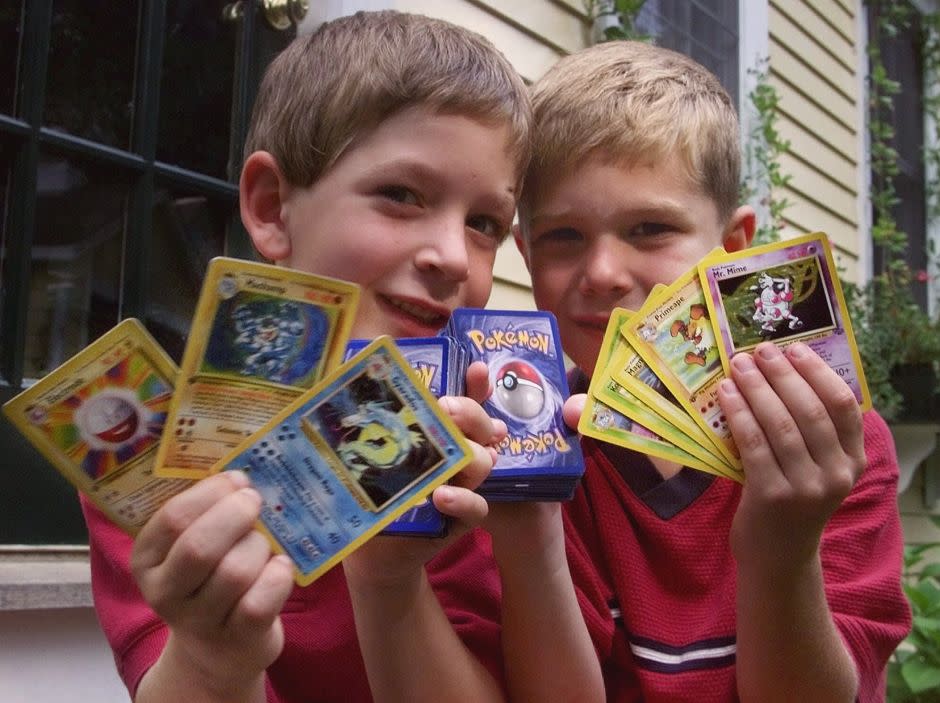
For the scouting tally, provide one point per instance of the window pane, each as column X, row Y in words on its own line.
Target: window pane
column 188, row 230
column 10, row 17
column 196, row 90
column 705, row 30
column 74, row 288
column 90, row 89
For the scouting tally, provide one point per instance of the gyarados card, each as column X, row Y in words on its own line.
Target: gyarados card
column 527, row 372
column 98, row 418
column 603, row 417
column 348, row 457
column 261, row 336
column 673, row 334
column 784, row 292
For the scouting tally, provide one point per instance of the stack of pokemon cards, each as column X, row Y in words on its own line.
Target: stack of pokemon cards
column 655, row 384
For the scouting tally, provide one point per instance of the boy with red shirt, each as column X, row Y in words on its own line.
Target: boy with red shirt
column 694, row 587
column 385, row 149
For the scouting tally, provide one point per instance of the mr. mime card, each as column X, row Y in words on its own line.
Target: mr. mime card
column 98, row 419
column 784, row 292
column 348, row 457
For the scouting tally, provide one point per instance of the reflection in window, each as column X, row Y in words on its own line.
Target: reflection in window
column 74, row 287
column 706, row 30
column 188, row 230
column 90, row 88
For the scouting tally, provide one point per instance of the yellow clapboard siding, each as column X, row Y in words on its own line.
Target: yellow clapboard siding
column 819, row 188
column 800, row 77
column 840, row 14
column 808, row 216
column 529, row 55
column 803, row 57
column 801, row 110
column 510, row 265
column 790, row 18
column 555, row 23
column 508, row 296
column 811, row 146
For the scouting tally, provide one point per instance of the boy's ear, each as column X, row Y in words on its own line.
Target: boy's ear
column 261, row 192
column 520, row 244
column 740, row 229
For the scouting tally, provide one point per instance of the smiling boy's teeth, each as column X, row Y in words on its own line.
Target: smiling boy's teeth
column 414, row 310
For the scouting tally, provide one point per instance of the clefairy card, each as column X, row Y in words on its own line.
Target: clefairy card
column 98, row 419
column 348, row 457
column 523, row 353
column 261, row 335
column 674, row 335
column 605, row 417
column 783, row 292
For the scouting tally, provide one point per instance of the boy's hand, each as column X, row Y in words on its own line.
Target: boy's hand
column 798, row 428
column 390, row 560
column 210, row 576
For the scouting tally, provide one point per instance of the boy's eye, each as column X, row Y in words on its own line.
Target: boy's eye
column 488, row 226
column 559, row 235
column 650, row 229
column 399, row 194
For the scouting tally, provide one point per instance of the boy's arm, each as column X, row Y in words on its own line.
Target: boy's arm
column 210, row 576
column 549, row 655
column 410, row 648
column 798, row 428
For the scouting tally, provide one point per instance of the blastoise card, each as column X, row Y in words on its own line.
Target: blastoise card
column 98, row 419
column 784, row 292
column 261, row 336
column 348, row 457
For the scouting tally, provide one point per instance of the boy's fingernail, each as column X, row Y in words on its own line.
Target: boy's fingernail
column 444, row 493
column 238, row 478
column 742, row 362
column 251, row 493
column 797, row 350
column 768, row 352
column 728, row 387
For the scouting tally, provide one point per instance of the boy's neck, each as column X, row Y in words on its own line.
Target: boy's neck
column 667, row 469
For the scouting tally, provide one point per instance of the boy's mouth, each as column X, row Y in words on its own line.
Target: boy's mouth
column 432, row 317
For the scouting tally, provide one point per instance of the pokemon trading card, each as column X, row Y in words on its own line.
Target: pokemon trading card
column 605, row 422
column 431, row 359
column 260, row 337
column 784, row 292
column 540, row 456
column 673, row 334
column 348, row 457
column 98, row 419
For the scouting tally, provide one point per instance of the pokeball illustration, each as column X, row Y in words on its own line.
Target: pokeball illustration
column 519, row 390
column 111, row 418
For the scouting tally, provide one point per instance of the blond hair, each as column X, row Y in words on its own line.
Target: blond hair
column 633, row 103
column 331, row 86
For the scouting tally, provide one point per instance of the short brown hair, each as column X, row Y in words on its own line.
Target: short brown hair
column 339, row 82
column 631, row 102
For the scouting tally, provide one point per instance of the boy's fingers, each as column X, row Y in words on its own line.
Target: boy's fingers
column 474, row 473
column 473, row 421
column 777, row 424
column 198, row 551
column 466, row 506
column 478, row 381
column 804, row 405
column 236, row 572
column 262, row 602
column 760, row 464
column 157, row 537
column 573, row 408
column 835, row 395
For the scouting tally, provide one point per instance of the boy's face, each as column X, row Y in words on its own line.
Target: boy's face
column 413, row 212
column 605, row 234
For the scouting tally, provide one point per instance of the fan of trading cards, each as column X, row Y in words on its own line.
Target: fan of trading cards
column 341, row 443
column 655, row 385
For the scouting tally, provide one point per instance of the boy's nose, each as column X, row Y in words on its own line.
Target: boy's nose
column 606, row 268
column 444, row 249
